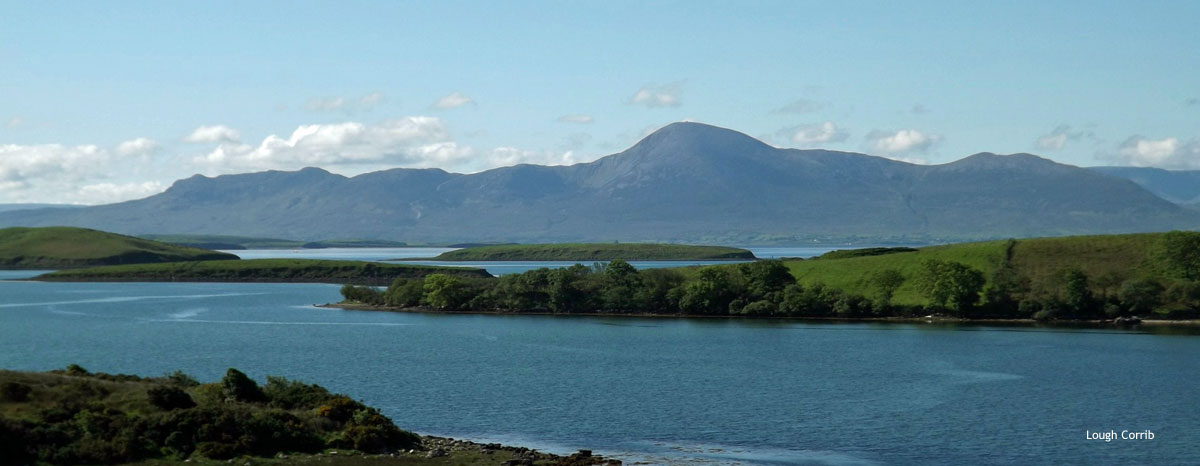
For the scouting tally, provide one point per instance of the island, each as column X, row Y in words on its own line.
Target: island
column 595, row 252
column 74, row 416
column 68, row 247
column 227, row 242
column 1123, row 279
column 262, row 271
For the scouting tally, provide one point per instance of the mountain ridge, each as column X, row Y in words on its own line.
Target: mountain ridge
column 686, row 182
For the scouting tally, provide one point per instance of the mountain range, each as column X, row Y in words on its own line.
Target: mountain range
column 686, row 182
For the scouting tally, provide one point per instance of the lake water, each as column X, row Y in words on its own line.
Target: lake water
column 497, row 267
column 662, row 391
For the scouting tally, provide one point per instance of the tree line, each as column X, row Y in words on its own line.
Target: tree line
column 767, row 288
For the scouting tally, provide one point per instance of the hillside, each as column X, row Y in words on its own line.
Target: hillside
column 685, row 183
column 1108, row 260
column 259, row 271
column 1178, row 186
column 66, row 247
column 594, row 252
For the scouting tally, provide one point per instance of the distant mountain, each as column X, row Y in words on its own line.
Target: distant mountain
column 1178, row 186
column 687, row 182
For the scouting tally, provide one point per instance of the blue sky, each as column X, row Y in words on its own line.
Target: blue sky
column 107, row 102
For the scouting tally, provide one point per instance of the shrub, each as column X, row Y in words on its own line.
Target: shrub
column 168, row 398
column 237, row 386
column 14, row 392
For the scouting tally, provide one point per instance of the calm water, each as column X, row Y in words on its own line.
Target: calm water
column 656, row 390
column 498, row 267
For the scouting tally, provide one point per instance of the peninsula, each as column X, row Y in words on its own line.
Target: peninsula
column 68, row 247
column 586, row 252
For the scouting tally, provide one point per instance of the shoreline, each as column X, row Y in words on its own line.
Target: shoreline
column 898, row 320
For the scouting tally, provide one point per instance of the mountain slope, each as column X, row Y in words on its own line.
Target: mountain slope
column 1178, row 186
column 687, row 182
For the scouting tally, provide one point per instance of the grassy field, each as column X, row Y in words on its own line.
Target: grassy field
column 66, row 247
column 260, row 270
column 1105, row 259
column 594, row 252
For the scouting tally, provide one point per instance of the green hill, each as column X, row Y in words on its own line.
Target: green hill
column 1107, row 261
column 594, row 252
column 260, row 270
column 67, row 247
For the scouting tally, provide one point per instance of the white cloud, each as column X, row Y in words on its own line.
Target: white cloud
column 211, row 134
column 411, row 141
column 105, row 193
column 1058, row 138
column 14, row 122
column 71, row 174
column 1168, row 153
column 454, row 100
column 903, row 141
column 800, row 106
column 652, row 96
column 578, row 118
column 507, row 156
column 136, row 147
column 325, row 104
column 369, row 101
column 816, row 133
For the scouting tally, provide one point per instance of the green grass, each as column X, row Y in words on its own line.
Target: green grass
column 594, row 252
column 261, row 270
column 66, row 247
column 1113, row 258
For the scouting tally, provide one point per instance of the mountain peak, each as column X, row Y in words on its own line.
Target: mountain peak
column 697, row 139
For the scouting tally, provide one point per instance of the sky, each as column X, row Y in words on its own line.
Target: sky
column 108, row 101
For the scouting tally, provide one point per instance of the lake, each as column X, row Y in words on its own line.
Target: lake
column 660, row 391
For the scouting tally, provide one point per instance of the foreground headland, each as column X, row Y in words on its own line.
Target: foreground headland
column 73, row 416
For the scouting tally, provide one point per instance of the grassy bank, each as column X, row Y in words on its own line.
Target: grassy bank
column 67, row 247
column 73, row 416
column 587, row 252
column 261, row 270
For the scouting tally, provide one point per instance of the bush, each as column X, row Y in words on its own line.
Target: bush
column 291, row 394
column 14, row 392
column 237, row 386
column 168, row 398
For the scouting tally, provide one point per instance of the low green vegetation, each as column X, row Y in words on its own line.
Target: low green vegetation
column 67, row 247
column 227, row 242
column 594, row 252
column 261, row 270
column 73, row 416
column 1087, row 277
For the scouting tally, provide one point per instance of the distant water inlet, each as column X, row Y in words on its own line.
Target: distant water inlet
column 660, row 391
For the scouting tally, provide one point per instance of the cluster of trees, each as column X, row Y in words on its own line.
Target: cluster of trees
column 766, row 288
column 761, row 288
column 182, row 417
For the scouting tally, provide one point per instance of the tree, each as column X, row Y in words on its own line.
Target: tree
column 1077, row 294
column 765, row 277
column 1140, row 296
column 445, row 291
column 404, row 293
column 711, row 293
column 620, row 281
column 950, row 285
column 886, row 282
column 1181, row 252
column 237, row 386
